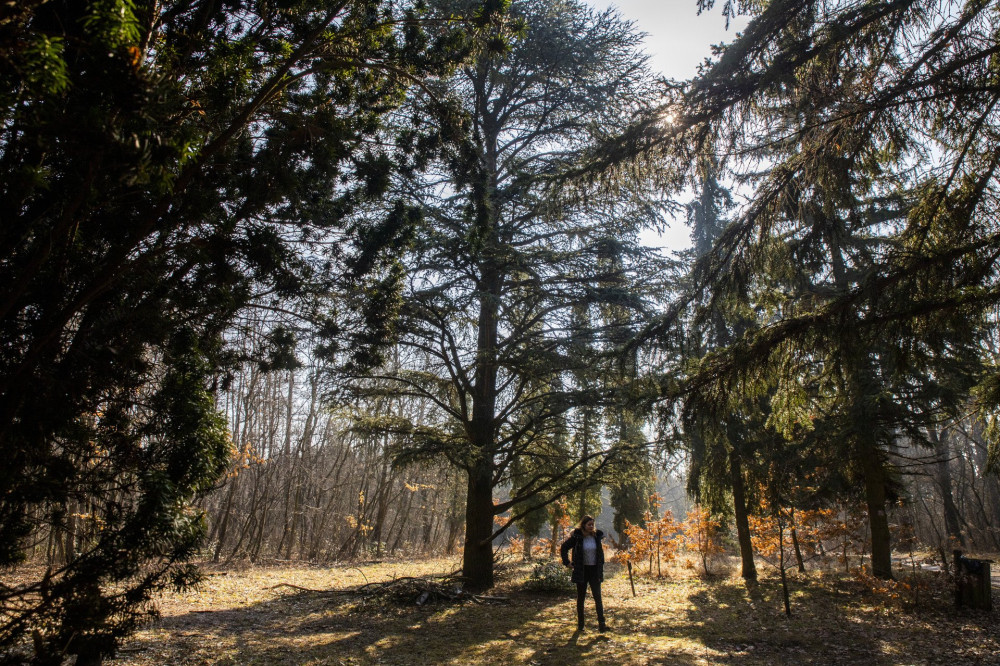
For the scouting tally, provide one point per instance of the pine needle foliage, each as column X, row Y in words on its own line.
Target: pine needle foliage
column 164, row 166
column 505, row 332
column 864, row 134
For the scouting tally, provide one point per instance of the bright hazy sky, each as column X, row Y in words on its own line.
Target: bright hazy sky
column 678, row 40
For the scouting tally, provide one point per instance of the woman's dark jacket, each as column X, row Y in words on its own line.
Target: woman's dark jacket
column 575, row 543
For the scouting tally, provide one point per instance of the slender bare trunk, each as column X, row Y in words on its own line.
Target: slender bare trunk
column 748, row 569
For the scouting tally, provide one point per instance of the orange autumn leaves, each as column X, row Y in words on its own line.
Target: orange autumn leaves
column 659, row 540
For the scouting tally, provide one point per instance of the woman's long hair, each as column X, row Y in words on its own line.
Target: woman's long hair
column 584, row 521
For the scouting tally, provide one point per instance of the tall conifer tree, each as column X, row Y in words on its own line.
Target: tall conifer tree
column 164, row 166
column 507, row 276
column 867, row 132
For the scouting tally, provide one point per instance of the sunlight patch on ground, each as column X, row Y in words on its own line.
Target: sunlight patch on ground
column 254, row 617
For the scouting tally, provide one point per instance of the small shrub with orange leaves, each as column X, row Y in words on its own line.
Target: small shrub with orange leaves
column 885, row 591
column 764, row 535
column 700, row 533
column 818, row 532
column 653, row 540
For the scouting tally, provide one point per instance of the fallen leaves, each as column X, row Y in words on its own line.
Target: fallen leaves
column 258, row 616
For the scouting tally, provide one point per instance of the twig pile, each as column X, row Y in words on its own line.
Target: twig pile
column 408, row 590
column 420, row 591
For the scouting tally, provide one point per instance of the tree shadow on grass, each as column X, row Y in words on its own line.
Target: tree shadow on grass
column 749, row 621
column 833, row 622
column 722, row 621
column 718, row 621
column 333, row 628
column 590, row 648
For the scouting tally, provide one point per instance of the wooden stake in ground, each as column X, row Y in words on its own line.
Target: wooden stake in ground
column 631, row 582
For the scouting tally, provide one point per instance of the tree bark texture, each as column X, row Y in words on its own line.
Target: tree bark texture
column 748, row 568
column 477, row 556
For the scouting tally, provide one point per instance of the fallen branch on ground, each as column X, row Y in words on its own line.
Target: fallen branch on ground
column 297, row 587
column 405, row 590
column 421, row 591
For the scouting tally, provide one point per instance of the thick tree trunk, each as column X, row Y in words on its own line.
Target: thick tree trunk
column 872, row 466
column 585, row 454
column 748, row 569
column 985, row 504
column 878, row 519
column 477, row 557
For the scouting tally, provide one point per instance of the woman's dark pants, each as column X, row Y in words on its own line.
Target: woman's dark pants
column 591, row 576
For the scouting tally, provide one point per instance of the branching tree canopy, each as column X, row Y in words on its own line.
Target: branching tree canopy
column 866, row 133
column 502, row 327
column 163, row 167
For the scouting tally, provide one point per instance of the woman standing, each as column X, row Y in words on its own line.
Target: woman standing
column 588, row 567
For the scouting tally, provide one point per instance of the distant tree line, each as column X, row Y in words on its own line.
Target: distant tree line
column 305, row 485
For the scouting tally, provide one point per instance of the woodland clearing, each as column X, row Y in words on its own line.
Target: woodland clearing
column 305, row 615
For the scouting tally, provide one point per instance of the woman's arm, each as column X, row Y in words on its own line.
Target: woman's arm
column 565, row 548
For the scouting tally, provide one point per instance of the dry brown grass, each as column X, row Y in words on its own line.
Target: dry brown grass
column 241, row 617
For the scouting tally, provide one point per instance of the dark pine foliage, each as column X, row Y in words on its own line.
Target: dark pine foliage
column 163, row 167
column 519, row 296
column 865, row 134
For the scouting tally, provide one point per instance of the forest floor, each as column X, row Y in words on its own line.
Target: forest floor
column 262, row 616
